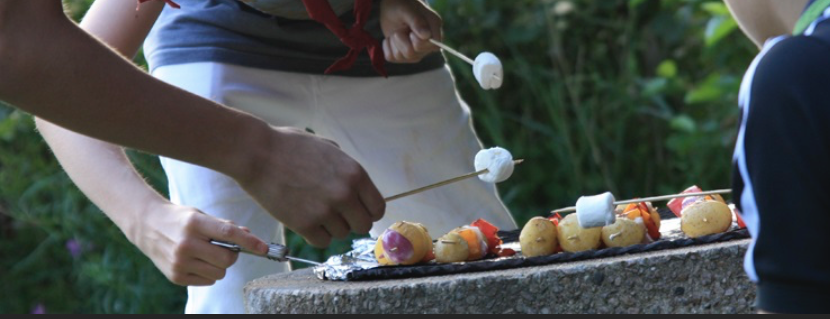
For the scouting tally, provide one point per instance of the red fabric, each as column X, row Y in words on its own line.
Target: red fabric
column 169, row 2
column 355, row 38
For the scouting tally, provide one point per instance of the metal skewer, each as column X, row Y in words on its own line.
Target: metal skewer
column 653, row 199
column 276, row 252
column 444, row 183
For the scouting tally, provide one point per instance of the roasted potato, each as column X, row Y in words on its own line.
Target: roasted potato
column 574, row 238
column 539, row 238
column 706, row 218
column 623, row 233
column 451, row 248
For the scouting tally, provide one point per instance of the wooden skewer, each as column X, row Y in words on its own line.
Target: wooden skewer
column 444, row 183
column 456, row 53
column 653, row 199
column 453, row 51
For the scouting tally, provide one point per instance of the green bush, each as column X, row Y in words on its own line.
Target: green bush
column 636, row 97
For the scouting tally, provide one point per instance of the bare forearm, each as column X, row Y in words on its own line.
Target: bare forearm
column 59, row 73
column 105, row 174
column 119, row 25
column 100, row 169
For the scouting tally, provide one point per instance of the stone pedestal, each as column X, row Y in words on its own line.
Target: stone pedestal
column 703, row 279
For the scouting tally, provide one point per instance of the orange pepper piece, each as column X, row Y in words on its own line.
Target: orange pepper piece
column 471, row 238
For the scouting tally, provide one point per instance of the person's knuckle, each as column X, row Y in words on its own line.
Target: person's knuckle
column 227, row 231
column 221, row 274
column 179, row 266
column 182, row 250
column 192, row 223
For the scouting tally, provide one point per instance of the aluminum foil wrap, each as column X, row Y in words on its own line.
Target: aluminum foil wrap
column 338, row 268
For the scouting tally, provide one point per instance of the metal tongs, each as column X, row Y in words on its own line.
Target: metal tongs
column 276, row 252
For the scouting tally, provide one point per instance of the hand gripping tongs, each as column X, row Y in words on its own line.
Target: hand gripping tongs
column 276, row 252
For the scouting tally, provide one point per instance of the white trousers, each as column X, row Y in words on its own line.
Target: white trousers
column 407, row 132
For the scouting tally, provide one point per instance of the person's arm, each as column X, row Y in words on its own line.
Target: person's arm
column 173, row 237
column 51, row 68
column 59, row 73
column 764, row 19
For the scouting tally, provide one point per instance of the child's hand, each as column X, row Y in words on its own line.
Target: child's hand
column 408, row 26
column 177, row 240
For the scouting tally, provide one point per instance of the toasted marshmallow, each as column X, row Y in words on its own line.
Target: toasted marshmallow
column 488, row 71
column 596, row 211
column 498, row 161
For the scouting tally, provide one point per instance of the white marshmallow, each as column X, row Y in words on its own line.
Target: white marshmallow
column 498, row 161
column 488, row 71
column 596, row 211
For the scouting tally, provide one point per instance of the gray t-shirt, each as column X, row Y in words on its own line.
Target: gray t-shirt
column 229, row 31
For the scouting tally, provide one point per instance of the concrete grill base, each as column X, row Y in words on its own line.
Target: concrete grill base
column 703, row 279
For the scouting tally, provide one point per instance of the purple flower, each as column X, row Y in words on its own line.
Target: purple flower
column 40, row 309
column 74, row 247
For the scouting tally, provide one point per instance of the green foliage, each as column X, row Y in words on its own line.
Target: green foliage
column 42, row 214
column 636, row 97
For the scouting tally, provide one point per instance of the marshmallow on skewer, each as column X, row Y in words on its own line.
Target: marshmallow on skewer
column 596, row 211
column 498, row 161
column 488, row 71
